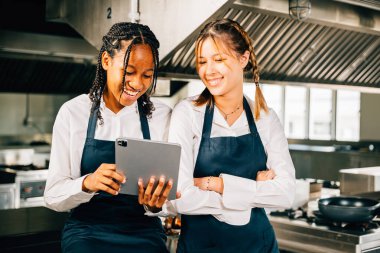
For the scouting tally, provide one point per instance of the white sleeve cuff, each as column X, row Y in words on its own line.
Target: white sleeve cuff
column 167, row 210
column 78, row 193
column 238, row 192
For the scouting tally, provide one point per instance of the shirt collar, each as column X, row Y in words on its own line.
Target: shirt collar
column 218, row 117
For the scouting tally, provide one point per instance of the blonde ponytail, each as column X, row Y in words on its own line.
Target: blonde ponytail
column 260, row 103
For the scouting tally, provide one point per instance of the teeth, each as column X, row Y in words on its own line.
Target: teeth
column 131, row 93
column 214, row 81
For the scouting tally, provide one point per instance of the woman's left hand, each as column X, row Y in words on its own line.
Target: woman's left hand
column 210, row 184
column 154, row 199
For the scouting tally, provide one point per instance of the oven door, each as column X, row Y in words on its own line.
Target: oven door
column 7, row 196
column 30, row 187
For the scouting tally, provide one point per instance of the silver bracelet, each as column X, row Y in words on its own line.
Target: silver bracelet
column 208, row 182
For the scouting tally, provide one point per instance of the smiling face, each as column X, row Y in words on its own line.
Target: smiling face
column 220, row 68
column 138, row 79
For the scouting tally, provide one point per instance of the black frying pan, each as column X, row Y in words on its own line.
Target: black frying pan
column 349, row 209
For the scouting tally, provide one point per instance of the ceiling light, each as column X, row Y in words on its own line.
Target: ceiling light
column 299, row 9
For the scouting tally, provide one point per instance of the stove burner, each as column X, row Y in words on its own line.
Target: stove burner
column 291, row 213
column 319, row 219
column 362, row 226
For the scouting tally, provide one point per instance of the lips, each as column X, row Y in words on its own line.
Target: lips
column 131, row 93
column 215, row 81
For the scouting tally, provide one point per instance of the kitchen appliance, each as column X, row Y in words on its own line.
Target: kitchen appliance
column 7, row 196
column 26, row 170
column 309, row 231
column 298, row 232
column 30, row 187
column 26, row 189
column 349, row 209
column 16, row 156
column 359, row 180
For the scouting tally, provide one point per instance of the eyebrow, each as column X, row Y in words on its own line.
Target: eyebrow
column 218, row 54
column 130, row 65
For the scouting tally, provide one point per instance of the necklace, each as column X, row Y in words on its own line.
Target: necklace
column 226, row 115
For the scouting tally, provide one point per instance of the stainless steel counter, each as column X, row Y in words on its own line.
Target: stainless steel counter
column 303, row 237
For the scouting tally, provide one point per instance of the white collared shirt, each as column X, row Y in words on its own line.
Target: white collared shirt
column 63, row 189
column 240, row 194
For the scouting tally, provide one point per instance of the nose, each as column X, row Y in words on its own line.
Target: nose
column 210, row 70
column 135, row 84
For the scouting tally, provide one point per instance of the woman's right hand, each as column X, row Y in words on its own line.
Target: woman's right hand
column 264, row 175
column 105, row 178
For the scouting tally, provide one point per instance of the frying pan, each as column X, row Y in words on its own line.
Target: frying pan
column 349, row 209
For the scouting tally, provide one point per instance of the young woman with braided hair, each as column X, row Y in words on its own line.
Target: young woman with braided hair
column 82, row 172
column 234, row 163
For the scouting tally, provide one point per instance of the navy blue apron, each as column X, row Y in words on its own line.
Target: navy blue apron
column 241, row 156
column 110, row 223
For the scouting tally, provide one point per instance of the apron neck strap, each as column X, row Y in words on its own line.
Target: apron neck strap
column 209, row 115
column 248, row 112
column 143, row 121
column 207, row 122
column 92, row 121
column 94, row 118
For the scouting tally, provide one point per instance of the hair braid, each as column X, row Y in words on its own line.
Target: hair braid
column 136, row 34
column 260, row 102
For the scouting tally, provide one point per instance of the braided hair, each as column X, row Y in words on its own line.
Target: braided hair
column 137, row 34
column 237, row 39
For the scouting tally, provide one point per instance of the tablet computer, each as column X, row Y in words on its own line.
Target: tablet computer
column 139, row 158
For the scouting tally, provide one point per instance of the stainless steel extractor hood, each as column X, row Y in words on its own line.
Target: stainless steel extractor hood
column 40, row 63
column 338, row 45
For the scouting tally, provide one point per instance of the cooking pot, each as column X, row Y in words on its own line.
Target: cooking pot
column 349, row 209
column 16, row 157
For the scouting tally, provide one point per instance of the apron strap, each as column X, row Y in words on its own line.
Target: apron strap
column 209, row 115
column 92, row 122
column 94, row 118
column 248, row 112
column 207, row 122
column 143, row 121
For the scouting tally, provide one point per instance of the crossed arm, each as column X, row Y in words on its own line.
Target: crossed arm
column 216, row 183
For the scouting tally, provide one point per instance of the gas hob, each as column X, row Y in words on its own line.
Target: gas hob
column 307, row 236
